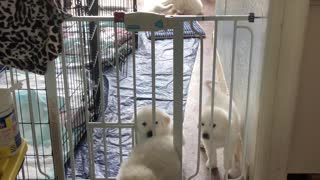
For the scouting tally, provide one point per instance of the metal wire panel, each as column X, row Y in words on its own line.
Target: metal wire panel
column 31, row 107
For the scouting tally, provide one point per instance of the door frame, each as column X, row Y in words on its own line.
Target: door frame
column 283, row 53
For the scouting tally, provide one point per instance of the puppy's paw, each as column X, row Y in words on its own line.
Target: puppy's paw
column 211, row 165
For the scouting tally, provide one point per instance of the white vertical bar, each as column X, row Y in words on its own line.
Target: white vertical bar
column 178, row 88
column 55, row 126
column 231, row 96
column 118, row 88
column 153, row 69
column 214, row 67
column 134, row 81
column 200, row 107
column 245, row 138
column 214, row 72
column 68, row 108
column 34, row 137
column 90, row 145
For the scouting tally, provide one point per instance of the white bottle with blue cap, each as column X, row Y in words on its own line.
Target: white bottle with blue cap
column 10, row 138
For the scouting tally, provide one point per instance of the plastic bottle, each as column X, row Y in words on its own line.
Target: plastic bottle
column 10, row 138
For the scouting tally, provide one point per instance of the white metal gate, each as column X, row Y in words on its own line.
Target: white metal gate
column 72, row 83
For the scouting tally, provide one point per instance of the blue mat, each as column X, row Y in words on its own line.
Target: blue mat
column 188, row 32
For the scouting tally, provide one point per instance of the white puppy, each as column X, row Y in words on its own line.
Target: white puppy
column 156, row 159
column 172, row 7
column 188, row 7
column 144, row 124
column 159, row 6
column 214, row 132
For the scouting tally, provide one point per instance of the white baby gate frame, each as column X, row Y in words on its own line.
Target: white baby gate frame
column 137, row 22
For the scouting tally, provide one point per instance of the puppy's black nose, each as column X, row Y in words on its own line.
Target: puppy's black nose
column 149, row 134
column 205, row 136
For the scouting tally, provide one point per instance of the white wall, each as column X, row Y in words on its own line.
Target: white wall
column 225, row 36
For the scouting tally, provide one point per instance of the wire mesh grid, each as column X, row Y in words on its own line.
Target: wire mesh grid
column 31, row 108
column 35, row 126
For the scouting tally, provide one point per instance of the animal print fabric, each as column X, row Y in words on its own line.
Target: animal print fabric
column 30, row 33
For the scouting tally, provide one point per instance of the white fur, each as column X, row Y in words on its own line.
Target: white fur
column 171, row 7
column 217, row 129
column 144, row 123
column 156, row 159
column 159, row 6
column 188, row 7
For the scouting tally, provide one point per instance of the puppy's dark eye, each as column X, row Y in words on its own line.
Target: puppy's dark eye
column 144, row 124
column 202, row 124
column 214, row 125
column 156, row 122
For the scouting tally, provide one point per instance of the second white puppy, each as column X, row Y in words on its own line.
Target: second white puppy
column 214, row 132
column 156, row 159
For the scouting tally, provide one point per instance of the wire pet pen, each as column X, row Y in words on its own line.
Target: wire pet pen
column 38, row 124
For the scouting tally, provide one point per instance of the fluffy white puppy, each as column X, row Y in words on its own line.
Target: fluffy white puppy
column 159, row 6
column 214, row 132
column 144, row 124
column 172, row 7
column 156, row 159
column 188, row 7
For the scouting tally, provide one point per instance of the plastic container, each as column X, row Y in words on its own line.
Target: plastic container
column 10, row 166
column 10, row 138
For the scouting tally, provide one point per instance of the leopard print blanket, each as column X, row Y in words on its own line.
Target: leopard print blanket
column 30, row 33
